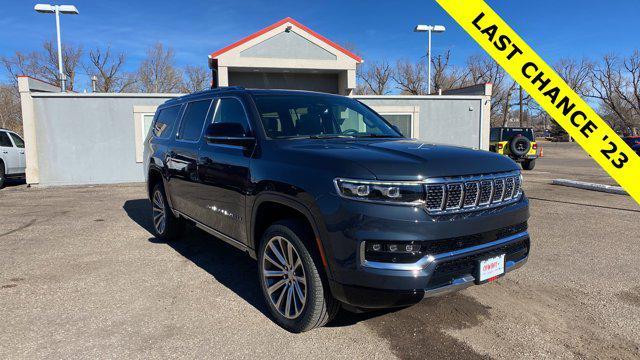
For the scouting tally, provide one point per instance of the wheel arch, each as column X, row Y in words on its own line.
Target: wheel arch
column 271, row 207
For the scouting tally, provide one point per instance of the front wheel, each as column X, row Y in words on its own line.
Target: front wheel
column 529, row 164
column 291, row 283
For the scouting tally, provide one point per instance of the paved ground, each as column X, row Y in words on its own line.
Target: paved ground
column 81, row 276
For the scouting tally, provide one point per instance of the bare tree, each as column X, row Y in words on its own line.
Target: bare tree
column 575, row 74
column 446, row 76
column 71, row 56
column 615, row 84
column 108, row 69
column 482, row 69
column 196, row 78
column 44, row 64
column 158, row 73
column 411, row 78
column 10, row 112
column 376, row 77
column 22, row 64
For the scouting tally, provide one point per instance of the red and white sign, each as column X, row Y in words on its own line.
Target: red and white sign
column 491, row 268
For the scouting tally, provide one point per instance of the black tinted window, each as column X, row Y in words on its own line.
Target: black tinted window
column 494, row 135
column 231, row 111
column 17, row 140
column 193, row 120
column 166, row 119
column 509, row 133
column 4, row 139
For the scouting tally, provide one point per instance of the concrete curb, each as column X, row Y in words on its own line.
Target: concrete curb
column 590, row 186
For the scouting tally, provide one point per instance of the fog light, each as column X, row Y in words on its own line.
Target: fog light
column 393, row 251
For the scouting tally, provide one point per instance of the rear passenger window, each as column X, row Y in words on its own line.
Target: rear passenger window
column 231, row 111
column 164, row 123
column 4, row 140
column 193, row 120
column 17, row 140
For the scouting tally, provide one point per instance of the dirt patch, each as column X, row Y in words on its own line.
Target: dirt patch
column 8, row 286
column 420, row 331
column 631, row 296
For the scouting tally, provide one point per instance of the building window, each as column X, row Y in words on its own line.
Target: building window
column 142, row 120
column 405, row 117
column 404, row 122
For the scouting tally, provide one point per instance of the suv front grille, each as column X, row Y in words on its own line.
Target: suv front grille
column 453, row 195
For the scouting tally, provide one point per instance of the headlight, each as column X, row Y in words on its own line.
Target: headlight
column 401, row 192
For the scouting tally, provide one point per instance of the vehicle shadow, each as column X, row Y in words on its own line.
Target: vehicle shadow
column 14, row 182
column 228, row 265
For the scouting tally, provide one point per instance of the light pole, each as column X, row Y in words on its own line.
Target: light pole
column 58, row 9
column 429, row 29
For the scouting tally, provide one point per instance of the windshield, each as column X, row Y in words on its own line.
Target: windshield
column 317, row 116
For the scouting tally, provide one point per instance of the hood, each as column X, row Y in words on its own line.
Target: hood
column 392, row 159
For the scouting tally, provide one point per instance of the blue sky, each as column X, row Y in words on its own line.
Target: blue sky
column 380, row 30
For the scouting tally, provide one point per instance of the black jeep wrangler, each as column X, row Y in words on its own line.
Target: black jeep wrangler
column 335, row 204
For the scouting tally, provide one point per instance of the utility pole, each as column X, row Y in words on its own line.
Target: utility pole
column 521, row 114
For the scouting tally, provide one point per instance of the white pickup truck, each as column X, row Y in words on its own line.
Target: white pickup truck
column 12, row 159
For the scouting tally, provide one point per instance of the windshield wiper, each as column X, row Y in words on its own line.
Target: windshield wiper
column 377, row 136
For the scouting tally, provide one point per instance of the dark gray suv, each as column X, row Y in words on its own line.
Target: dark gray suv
column 335, row 204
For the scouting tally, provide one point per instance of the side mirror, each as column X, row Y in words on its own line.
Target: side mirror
column 397, row 129
column 229, row 134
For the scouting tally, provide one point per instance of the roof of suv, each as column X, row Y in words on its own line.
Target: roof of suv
column 222, row 90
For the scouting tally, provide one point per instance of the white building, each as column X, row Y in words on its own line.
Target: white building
column 287, row 55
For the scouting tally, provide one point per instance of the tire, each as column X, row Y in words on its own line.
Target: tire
column 165, row 225
column 528, row 164
column 519, row 146
column 311, row 304
column 3, row 176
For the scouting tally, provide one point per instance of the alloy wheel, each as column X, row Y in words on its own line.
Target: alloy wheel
column 159, row 213
column 284, row 277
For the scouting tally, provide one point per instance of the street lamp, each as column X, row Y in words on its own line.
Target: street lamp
column 429, row 29
column 58, row 9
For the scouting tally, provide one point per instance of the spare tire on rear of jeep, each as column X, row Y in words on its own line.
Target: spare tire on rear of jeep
column 519, row 146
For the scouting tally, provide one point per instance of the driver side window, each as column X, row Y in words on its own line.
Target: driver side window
column 230, row 110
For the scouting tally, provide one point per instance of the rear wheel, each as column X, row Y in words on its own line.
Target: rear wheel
column 166, row 226
column 528, row 164
column 298, row 298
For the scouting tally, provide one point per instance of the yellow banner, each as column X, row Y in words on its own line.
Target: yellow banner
column 549, row 90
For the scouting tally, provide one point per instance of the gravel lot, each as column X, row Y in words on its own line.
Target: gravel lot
column 81, row 276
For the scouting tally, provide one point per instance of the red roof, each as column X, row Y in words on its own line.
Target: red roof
column 296, row 23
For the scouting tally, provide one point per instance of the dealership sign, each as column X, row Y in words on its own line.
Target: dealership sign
column 549, row 90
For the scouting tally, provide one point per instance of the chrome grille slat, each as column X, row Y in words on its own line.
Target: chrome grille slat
column 435, row 197
column 464, row 194
column 454, row 196
column 498, row 190
column 508, row 188
column 471, row 193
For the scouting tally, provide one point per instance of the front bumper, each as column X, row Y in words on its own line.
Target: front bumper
column 368, row 284
column 460, row 274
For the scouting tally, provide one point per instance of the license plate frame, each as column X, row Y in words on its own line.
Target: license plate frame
column 490, row 268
